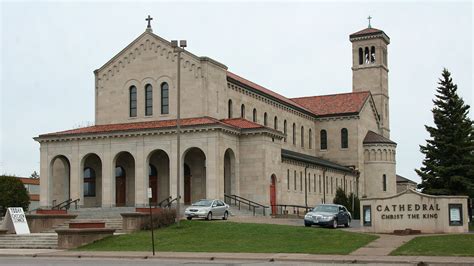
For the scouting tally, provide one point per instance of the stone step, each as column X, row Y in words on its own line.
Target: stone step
column 34, row 241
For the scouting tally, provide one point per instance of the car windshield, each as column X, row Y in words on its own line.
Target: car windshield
column 203, row 203
column 326, row 208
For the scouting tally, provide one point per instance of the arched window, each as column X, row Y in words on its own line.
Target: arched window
column 361, row 56
column 294, row 134
column 302, row 136
column 324, row 140
column 89, row 182
column 310, row 136
column 255, row 115
column 265, row 119
column 242, row 111
column 275, row 123
column 148, row 99
column 229, row 109
column 367, row 56
column 288, row 179
column 133, row 101
column 284, row 130
column 384, row 177
column 372, row 54
column 152, row 170
column 165, row 98
column 344, row 138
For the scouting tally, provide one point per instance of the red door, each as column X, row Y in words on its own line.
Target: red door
column 154, row 189
column 273, row 195
column 120, row 191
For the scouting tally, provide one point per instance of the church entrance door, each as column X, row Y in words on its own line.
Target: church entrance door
column 273, row 194
column 187, row 185
column 120, row 186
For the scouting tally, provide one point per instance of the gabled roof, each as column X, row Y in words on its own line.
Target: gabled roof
column 314, row 160
column 401, row 179
column 373, row 137
column 237, row 123
column 370, row 32
column 335, row 104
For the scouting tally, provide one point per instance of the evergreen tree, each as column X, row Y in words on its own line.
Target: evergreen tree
column 448, row 167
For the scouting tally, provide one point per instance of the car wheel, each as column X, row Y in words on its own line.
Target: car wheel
column 209, row 216
column 226, row 216
column 348, row 224
column 189, row 218
column 334, row 223
column 307, row 224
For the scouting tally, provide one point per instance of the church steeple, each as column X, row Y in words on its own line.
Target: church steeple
column 370, row 69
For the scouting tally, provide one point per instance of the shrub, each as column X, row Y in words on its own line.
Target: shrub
column 165, row 218
column 12, row 194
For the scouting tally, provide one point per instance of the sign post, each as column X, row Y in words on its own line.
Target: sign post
column 151, row 220
column 15, row 221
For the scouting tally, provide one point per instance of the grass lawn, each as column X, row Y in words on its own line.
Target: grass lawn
column 215, row 236
column 445, row 245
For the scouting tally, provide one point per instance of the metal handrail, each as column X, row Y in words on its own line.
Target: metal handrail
column 163, row 201
column 66, row 204
column 170, row 202
column 296, row 208
column 252, row 204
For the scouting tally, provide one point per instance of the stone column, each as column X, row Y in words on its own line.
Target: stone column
column 108, row 179
column 45, row 197
column 75, row 174
column 173, row 172
column 213, row 165
column 141, row 177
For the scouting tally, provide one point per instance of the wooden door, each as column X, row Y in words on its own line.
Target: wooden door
column 273, row 195
column 154, row 189
column 120, row 191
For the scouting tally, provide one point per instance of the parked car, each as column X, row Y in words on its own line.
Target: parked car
column 331, row 215
column 207, row 209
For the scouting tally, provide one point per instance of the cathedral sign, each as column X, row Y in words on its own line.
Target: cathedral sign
column 15, row 221
column 417, row 211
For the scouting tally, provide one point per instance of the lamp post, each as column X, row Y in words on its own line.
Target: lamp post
column 178, row 49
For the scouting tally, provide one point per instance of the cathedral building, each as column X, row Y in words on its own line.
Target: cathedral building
column 236, row 137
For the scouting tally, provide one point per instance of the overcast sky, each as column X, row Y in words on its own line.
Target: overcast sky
column 50, row 49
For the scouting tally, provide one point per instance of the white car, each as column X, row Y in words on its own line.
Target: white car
column 207, row 209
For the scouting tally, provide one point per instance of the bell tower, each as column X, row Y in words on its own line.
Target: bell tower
column 370, row 70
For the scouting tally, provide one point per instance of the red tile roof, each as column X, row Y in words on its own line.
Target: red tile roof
column 30, row 181
column 239, row 123
column 335, row 104
column 264, row 90
column 373, row 137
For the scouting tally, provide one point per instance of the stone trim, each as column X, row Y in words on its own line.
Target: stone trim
column 419, row 194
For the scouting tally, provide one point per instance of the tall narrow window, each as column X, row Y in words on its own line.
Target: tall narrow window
column 314, row 183
column 133, row 101
column 384, row 177
column 229, row 109
column 324, row 140
column 309, row 182
column 372, row 54
column 332, row 185
column 275, row 123
column 148, row 100
column 255, row 115
column 265, row 119
column 301, row 181
column 295, row 179
column 302, row 137
column 89, row 182
column 367, row 56
column 284, row 130
column 310, row 136
column 288, row 178
column 242, row 111
column 319, row 184
column 361, row 56
column 165, row 97
column 294, row 134
column 344, row 138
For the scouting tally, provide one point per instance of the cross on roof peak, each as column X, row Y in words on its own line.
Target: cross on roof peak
column 149, row 19
column 369, row 18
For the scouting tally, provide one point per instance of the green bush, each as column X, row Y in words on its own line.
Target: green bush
column 12, row 194
column 165, row 218
column 346, row 201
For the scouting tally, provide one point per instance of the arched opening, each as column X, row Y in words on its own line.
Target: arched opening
column 158, row 175
column 344, row 138
column 148, row 100
column 229, row 173
column 294, row 134
column 310, row 138
column 372, row 54
column 275, row 123
column 265, row 119
column 92, row 180
column 254, row 115
column 124, row 179
column 323, row 140
column 302, row 137
column 132, row 101
column 361, row 56
column 194, row 175
column 242, row 111
column 165, row 97
column 60, row 177
column 273, row 196
column 367, row 56
column 229, row 109
column 284, row 130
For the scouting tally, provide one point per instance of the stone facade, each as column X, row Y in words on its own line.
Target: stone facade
column 238, row 138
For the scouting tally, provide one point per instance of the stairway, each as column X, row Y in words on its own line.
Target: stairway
column 32, row 241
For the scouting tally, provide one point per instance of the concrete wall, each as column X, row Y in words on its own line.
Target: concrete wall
column 415, row 211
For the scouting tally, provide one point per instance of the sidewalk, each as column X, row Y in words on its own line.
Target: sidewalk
column 383, row 246
column 198, row 256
